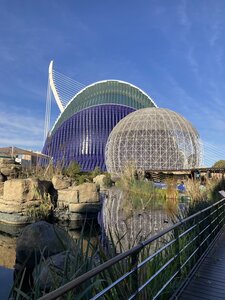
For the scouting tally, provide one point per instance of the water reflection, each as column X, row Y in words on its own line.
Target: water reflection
column 121, row 222
column 8, row 239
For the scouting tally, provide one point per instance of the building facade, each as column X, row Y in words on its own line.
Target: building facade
column 81, row 131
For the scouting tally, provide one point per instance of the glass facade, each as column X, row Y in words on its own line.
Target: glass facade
column 82, row 130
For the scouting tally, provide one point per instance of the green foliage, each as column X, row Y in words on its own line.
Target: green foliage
column 81, row 179
column 96, row 172
column 73, row 170
column 107, row 181
column 219, row 164
column 140, row 194
column 42, row 211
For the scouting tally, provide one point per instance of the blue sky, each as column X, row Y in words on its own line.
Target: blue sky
column 173, row 50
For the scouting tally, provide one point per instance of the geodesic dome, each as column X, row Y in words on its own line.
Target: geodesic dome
column 153, row 139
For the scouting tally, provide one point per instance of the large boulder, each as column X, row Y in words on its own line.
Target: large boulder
column 19, row 197
column 40, row 239
column 52, row 270
column 8, row 167
column 84, row 193
column 13, row 218
column 85, row 208
column 60, row 183
column 23, row 190
column 78, row 203
column 11, row 170
column 99, row 180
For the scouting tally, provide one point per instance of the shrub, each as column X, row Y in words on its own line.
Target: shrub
column 41, row 212
column 73, row 170
column 96, row 172
column 81, row 179
column 107, row 181
column 219, row 164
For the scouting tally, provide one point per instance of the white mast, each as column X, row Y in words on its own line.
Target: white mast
column 53, row 87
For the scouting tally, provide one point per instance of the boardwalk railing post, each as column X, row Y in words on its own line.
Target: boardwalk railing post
column 177, row 250
column 134, row 276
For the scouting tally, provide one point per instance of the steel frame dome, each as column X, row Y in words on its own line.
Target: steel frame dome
column 153, row 139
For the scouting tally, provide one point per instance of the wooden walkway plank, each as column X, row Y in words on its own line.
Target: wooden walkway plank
column 208, row 282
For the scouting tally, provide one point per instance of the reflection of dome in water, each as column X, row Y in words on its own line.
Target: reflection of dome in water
column 153, row 138
column 126, row 226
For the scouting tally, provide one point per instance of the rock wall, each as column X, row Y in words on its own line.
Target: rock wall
column 78, row 203
column 72, row 203
column 18, row 196
column 9, row 169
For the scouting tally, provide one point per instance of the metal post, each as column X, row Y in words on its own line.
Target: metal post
column 177, row 250
column 134, row 276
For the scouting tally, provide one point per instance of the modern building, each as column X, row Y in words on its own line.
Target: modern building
column 153, row 139
column 81, row 131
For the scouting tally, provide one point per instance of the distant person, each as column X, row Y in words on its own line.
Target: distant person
column 181, row 187
column 197, row 175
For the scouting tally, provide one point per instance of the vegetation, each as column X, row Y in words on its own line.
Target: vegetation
column 42, row 211
column 107, row 181
column 73, row 170
column 219, row 164
column 141, row 197
column 96, row 172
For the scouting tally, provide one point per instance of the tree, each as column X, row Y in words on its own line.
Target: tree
column 219, row 164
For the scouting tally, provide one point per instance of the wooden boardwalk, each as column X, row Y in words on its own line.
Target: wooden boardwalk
column 208, row 282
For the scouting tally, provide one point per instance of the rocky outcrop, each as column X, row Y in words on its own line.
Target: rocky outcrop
column 60, row 183
column 82, row 200
column 84, row 193
column 99, row 180
column 8, row 168
column 44, row 274
column 40, row 239
column 19, row 195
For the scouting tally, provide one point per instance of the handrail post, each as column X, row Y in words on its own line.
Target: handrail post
column 177, row 250
column 134, row 276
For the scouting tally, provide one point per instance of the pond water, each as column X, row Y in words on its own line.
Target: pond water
column 6, row 279
column 116, row 215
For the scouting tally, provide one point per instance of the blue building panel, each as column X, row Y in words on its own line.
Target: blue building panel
column 83, row 136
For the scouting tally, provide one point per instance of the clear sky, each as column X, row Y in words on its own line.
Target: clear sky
column 172, row 49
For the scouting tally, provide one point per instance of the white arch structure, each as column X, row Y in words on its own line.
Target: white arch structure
column 63, row 89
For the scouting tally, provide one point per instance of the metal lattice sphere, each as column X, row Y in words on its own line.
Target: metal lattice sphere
column 153, row 139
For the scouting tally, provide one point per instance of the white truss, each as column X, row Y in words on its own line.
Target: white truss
column 212, row 154
column 153, row 139
column 63, row 89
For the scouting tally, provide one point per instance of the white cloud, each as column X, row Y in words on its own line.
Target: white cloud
column 20, row 129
